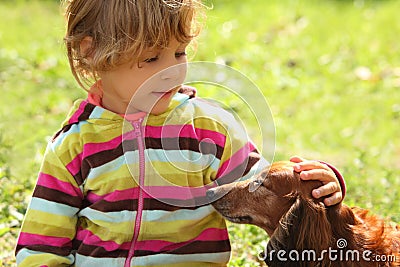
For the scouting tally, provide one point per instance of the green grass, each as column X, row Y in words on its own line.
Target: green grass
column 330, row 71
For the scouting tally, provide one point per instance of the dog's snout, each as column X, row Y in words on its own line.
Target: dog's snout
column 211, row 194
column 219, row 192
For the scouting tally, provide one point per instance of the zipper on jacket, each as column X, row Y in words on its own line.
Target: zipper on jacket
column 140, row 140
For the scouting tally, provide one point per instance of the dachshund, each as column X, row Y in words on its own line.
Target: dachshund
column 303, row 232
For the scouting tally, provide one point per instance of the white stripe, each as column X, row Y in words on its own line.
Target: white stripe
column 148, row 215
column 26, row 253
column 197, row 160
column 180, row 159
column 96, row 113
column 52, row 207
column 75, row 129
column 85, row 261
column 163, row 259
column 108, row 167
column 111, row 217
column 182, row 214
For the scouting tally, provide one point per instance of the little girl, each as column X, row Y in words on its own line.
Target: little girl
column 112, row 189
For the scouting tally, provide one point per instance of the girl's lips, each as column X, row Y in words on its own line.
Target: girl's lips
column 166, row 94
column 162, row 94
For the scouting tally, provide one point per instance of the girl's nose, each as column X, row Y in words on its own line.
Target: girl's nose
column 174, row 72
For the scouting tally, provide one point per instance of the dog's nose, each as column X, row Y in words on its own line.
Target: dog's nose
column 210, row 194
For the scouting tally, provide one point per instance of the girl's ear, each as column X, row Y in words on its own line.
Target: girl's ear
column 86, row 47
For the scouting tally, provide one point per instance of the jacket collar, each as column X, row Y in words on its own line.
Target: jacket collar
column 83, row 110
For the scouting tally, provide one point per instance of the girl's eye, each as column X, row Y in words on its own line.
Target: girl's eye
column 152, row 59
column 180, row 54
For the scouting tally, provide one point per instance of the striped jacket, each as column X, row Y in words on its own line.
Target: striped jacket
column 114, row 192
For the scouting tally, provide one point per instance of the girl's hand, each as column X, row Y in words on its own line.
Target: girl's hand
column 315, row 170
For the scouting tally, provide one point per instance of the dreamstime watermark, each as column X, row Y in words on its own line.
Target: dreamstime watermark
column 340, row 253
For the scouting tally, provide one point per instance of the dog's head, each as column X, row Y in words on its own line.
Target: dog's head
column 264, row 199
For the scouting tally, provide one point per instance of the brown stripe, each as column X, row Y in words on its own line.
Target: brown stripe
column 65, row 129
column 86, row 112
column 176, row 204
column 241, row 170
column 204, row 247
column 57, row 196
column 106, row 156
column 149, row 204
column 98, row 252
column 83, row 117
column 105, row 206
column 192, row 248
column 165, row 204
column 109, row 155
column 78, row 178
column 64, row 251
column 184, row 143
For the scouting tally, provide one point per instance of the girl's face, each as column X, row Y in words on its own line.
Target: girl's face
column 149, row 85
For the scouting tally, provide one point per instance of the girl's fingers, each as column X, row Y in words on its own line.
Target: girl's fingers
column 334, row 199
column 297, row 159
column 310, row 165
column 323, row 175
column 315, row 170
column 326, row 190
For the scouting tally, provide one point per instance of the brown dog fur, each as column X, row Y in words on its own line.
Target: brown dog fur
column 281, row 204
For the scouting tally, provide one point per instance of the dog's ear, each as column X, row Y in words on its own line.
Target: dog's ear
column 348, row 225
column 304, row 228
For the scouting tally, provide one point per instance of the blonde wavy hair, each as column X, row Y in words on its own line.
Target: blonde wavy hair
column 121, row 29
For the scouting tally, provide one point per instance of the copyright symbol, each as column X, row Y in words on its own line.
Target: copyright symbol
column 341, row 243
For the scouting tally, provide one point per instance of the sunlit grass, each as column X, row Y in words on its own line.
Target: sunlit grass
column 330, row 71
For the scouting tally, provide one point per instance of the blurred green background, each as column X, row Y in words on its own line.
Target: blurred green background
column 330, row 70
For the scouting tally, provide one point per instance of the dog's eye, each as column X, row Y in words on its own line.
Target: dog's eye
column 254, row 185
column 258, row 182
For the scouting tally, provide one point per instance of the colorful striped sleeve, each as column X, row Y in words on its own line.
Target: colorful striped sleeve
column 239, row 158
column 50, row 221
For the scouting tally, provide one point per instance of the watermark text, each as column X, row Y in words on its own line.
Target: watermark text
column 333, row 254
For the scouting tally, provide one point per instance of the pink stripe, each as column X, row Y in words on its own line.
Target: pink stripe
column 117, row 195
column 238, row 158
column 75, row 165
column 188, row 131
column 175, row 192
column 152, row 192
column 210, row 234
column 88, row 238
column 49, row 181
column 26, row 239
column 93, row 148
column 78, row 113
